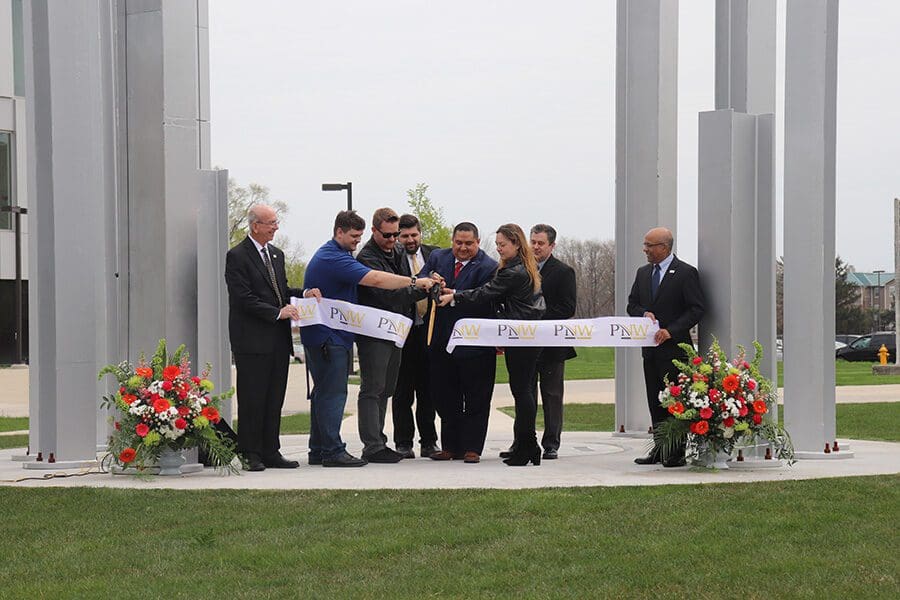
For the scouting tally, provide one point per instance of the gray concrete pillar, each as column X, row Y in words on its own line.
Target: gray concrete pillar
column 646, row 169
column 745, row 55
column 809, row 202
column 70, row 166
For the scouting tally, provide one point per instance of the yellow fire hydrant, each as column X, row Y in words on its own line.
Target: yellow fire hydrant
column 882, row 355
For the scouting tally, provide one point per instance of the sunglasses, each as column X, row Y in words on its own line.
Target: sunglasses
column 389, row 235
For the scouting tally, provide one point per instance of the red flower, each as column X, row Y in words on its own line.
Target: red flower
column 118, row 426
column 697, row 360
column 141, row 429
column 167, row 385
column 742, row 411
column 745, row 364
column 129, row 399
column 700, row 427
column 184, row 411
column 145, row 372
column 180, row 423
column 122, row 390
column 751, row 385
column 757, row 419
column 728, row 422
column 714, row 395
column 759, row 407
column 196, row 380
column 706, row 413
column 161, row 405
column 731, row 383
column 127, row 455
column 676, row 409
column 212, row 415
column 182, row 395
column 675, row 390
column 171, row 372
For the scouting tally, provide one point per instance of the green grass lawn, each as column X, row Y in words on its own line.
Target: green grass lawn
column 821, row 538
column 871, row 421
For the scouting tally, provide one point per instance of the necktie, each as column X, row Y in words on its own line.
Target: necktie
column 654, row 282
column 421, row 305
column 265, row 255
column 457, row 269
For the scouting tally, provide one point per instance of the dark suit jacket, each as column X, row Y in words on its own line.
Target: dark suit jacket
column 678, row 306
column 253, row 324
column 401, row 301
column 476, row 273
column 560, row 294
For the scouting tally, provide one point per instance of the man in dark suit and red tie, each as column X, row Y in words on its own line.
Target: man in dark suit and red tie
column 259, row 325
column 667, row 291
column 462, row 383
column 412, row 383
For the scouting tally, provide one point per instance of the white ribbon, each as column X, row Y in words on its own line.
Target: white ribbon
column 601, row 331
column 344, row 316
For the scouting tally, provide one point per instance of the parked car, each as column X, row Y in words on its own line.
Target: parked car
column 866, row 347
column 846, row 338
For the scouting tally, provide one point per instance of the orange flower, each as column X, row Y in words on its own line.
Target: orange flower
column 676, row 409
column 145, row 372
column 700, row 427
column 759, row 407
column 211, row 414
column 171, row 372
column 731, row 383
column 127, row 455
column 129, row 399
column 161, row 405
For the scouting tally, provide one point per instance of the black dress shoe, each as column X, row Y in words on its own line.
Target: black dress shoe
column 520, row 457
column 280, row 462
column 344, row 460
column 406, row 452
column 674, row 461
column 384, row 456
column 550, row 454
column 650, row 459
column 315, row 460
column 255, row 464
column 510, row 452
column 426, row 450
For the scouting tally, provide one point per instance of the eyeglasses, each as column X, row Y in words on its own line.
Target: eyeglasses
column 269, row 223
column 389, row 235
column 646, row 245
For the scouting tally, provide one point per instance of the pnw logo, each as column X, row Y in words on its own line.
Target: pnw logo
column 397, row 328
column 574, row 332
column 629, row 332
column 466, row 332
column 307, row 311
column 522, row 331
column 347, row 316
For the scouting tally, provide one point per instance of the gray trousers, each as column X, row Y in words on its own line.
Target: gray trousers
column 379, row 364
column 552, row 384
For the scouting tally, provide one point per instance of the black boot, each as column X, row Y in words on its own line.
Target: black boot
column 524, row 454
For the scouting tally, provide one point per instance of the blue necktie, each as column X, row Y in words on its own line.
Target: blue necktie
column 654, row 282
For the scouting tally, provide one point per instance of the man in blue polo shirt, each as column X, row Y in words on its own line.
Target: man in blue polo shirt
column 335, row 274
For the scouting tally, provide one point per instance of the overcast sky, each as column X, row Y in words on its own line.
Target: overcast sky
column 506, row 109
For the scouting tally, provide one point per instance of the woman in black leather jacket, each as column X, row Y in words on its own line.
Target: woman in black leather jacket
column 516, row 291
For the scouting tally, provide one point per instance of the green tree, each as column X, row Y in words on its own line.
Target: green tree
column 848, row 316
column 435, row 230
column 240, row 199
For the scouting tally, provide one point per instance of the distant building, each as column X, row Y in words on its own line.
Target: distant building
column 12, row 172
column 877, row 289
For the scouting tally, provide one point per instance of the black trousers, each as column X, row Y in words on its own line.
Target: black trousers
column 413, row 386
column 261, row 383
column 551, row 376
column 522, row 366
column 462, row 387
column 656, row 367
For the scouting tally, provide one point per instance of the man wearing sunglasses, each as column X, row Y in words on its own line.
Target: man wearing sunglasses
column 379, row 360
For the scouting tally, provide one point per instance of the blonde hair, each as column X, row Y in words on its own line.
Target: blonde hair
column 514, row 234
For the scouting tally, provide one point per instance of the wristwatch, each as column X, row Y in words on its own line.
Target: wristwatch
column 412, row 280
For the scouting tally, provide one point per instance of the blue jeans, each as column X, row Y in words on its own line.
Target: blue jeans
column 329, row 366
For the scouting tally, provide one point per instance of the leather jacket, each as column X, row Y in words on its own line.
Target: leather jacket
column 511, row 291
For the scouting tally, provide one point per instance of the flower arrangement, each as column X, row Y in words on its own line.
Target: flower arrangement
column 717, row 405
column 161, row 405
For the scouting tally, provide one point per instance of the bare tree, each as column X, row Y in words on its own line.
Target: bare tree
column 594, row 262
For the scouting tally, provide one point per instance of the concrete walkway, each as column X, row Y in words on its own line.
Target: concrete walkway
column 586, row 459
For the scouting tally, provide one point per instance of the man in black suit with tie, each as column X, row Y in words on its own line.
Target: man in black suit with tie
column 412, row 383
column 259, row 326
column 462, row 383
column 560, row 293
column 667, row 291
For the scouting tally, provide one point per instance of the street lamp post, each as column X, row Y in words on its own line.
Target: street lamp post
column 337, row 187
column 18, row 211
column 878, row 273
